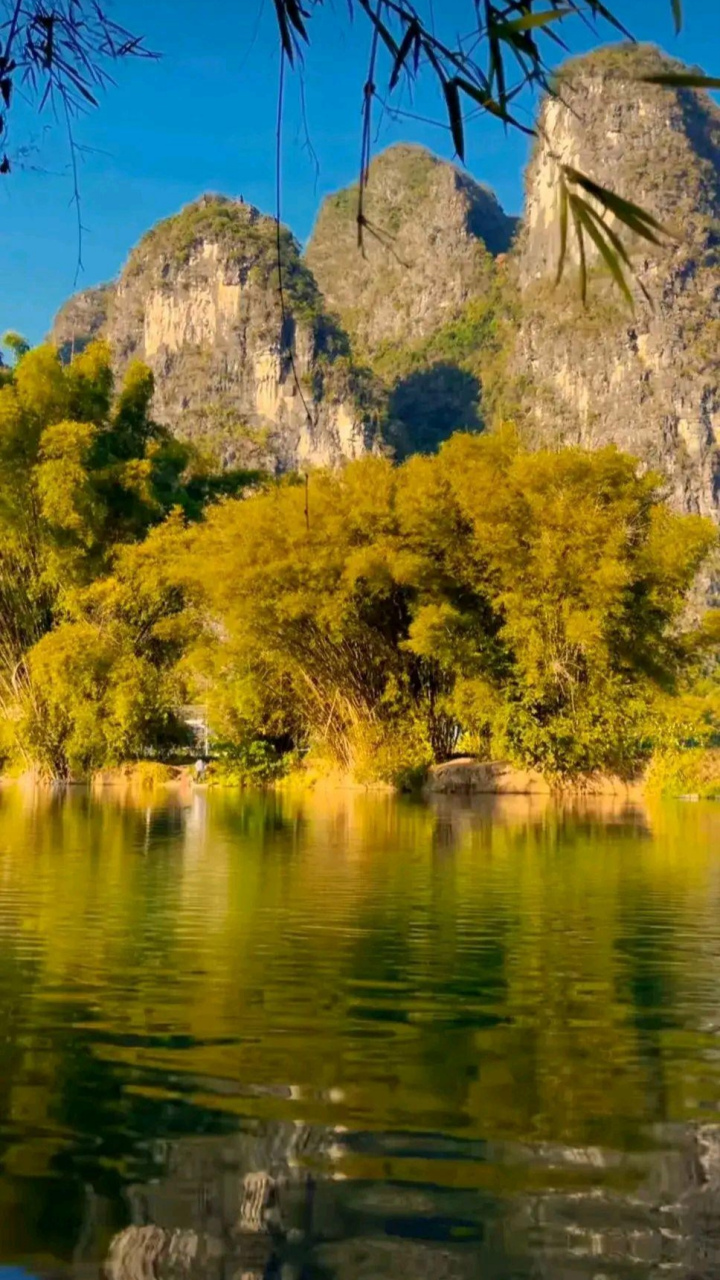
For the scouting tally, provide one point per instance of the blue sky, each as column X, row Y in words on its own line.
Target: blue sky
column 203, row 119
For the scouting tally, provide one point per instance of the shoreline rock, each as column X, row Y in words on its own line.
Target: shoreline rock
column 468, row 776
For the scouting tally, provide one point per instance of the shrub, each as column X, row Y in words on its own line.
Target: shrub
column 695, row 772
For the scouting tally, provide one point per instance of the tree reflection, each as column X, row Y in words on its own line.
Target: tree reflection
column 346, row 1035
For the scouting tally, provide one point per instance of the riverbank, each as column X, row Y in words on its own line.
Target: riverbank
column 692, row 774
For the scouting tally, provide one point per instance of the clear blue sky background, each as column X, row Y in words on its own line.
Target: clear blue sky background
column 203, row 119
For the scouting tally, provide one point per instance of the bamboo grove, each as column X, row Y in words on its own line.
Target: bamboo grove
column 535, row 606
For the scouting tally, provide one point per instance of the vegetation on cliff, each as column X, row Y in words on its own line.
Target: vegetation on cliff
column 425, row 301
column 432, row 234
column 246, row 238
column 247, row 361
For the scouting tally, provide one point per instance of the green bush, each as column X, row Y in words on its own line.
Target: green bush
column 252, row 763
column 692, row 772
column 530, row 601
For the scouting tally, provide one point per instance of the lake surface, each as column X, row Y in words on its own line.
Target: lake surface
column 358, row 1037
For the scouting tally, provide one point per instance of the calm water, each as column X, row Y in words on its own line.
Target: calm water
column 359, row 1038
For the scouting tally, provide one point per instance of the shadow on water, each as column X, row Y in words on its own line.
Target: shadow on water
column 358, row 1037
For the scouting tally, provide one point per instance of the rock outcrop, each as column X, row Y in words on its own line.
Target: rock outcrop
column 419, row 298
column 452, row 331
column 649, row 381
column 198, row 301
column 258, row 382
column 82, row 318
column 428, row 248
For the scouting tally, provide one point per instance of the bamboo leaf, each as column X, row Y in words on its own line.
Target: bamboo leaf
column 284, row 27
column 683, row 80
column 377, row 22
column 452, row 99
column 677, row 15
column 610, row 257
column 600, row 10
column 621, row 251
column 533, row 20
column 581, row 252
column 387, row 39
column 296, row 15
column 563, row 229
column 87, row 95
column 485, row 100
column 612, row 236
column 638, row 219
column 406, row 45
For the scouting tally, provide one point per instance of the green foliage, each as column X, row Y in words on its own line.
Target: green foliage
column 105, row 685
column 252, row 762
column 525, row 605
column 622, row 61
column 14, row 342
column 460, row 342
column 92, row 702
column 693, row 772
column 450, row 380
column 83, row 473
column 528, row 603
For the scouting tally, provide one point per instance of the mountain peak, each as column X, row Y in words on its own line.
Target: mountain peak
column 431, row 232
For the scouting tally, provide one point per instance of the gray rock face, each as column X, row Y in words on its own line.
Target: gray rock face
column 81, row 319
column 199, row 302
column 433, row 231
column 649, row 382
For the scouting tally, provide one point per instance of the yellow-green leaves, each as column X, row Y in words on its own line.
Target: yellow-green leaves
column 80, row 475
column 532, row 21
column 525, row 599
column 68, row 500
column 41, row 387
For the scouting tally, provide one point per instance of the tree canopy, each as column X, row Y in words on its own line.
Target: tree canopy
column 84, row 472
column 531, row 606
column 520, row 605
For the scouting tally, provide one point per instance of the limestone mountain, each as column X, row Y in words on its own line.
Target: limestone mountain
column 428, row 249
column 255, row 380
column 418, row 299
column 648, row 381
column 82, row 318
column 443, row 323
column 385, row 334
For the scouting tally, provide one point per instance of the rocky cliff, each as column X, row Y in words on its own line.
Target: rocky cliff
column 420, row 300
column 199, row 302
column 648, row 381
column 432, row 235
column 448, row 319
column 82, row 318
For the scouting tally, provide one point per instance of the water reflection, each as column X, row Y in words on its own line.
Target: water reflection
column 349, row 1036
column 257, row 1213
